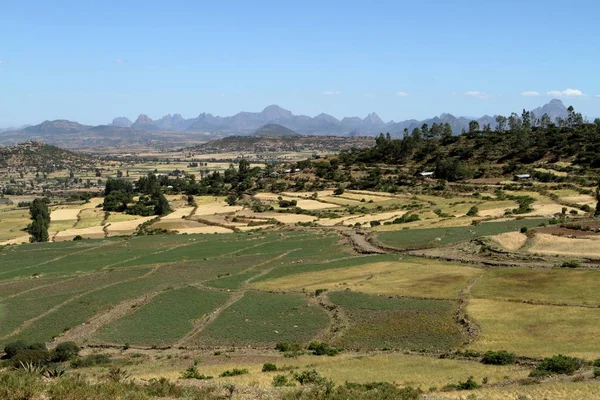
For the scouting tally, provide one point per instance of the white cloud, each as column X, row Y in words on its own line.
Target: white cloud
column 120, row 61
column 566, row 92
column 401, row 94
column 530, row 94
column 332, row 93
column 478, row 94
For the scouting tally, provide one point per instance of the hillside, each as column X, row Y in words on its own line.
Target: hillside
column 270, row 144
column 272, row 130
column 42, row 156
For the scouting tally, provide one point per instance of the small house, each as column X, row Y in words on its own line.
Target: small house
column 521, row 177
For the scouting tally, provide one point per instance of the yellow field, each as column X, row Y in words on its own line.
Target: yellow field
column 90, row 217
column 398, row 368
column 12, row 223
column 178, row 214
column 64, row 214
column 411, row 277
column 586, row 390
column 536, row 331
column 511, row 241
column 126, row 227
column 93, row 232
column 563, row 246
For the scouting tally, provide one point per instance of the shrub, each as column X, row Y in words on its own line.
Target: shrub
column 524, row 229
column 163, row 388
column 321, row 349
column 91, row 360
column 281, row 381
column 192, row 373
column 234, row 372
column 500, row 357
column 570, row 264
column 339, row 191
column 287, row 203
column 558, row 364
column 374, row 223
column 20, row 386
column 319, row 291
column 596, row 372
column 65, row 351
column 473, row 211
column 596, row 363
column 309, row 377
column 117, row 374
column 78, row 237
column 469, row 384
column 30, row 356
column 269, row 367
column 12, row 349
column 285, row 347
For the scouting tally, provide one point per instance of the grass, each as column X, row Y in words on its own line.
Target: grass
column 433, row 237
column 564, row 246
column 263, row 319
column 410, row 277
column 556, row 286
column 534, row 330
column 382, row 322
column 164, row 320
column 12, row 223
column 561, row 390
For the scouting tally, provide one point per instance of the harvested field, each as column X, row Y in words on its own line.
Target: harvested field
column 178, row 213
column 204, row 229
column 64, row 214
column 89, row 217
column 216, row 208
column 535, row 330
column 511, row 241
column 125, row 227
column 554, row 390
column 555, row 230
column 563, row 246
column 292, row 218
column 95, row 232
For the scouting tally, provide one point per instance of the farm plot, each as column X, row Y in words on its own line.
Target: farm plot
column 90, row 217
column 560, row 390
column 536, row 330
column 167, row 318
column 564, row 246
column 409, row 277
column 381, row 322
column 556, row 286
column 64, row 214
column 511, row 241
column 125, row 227
column 13, row 223
column 263, row 319
column 433, row 237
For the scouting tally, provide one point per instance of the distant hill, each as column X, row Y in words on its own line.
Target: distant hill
column 274, row 130
column 270, row 144
column 42, row 157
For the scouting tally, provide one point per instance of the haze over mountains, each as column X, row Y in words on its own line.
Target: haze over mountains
column 144, row 130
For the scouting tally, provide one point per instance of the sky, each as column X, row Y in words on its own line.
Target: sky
column 93, row 60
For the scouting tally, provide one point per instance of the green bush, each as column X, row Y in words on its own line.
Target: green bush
column 20, row 386
column 309, row 377
column 284, row 347
column 558, row 364
column 11, row 349
column 596, row 362
column 322, row 349
column 269, row 367
column 65, row 351
column 524, row 229
column 500, row 357
column 469, row 384
column 234, row 372
column 30, row 356
column 473, row 211
column 319, row 291
column 596, row 372
column 193, row 373
column 571, row 264
column 281, row 381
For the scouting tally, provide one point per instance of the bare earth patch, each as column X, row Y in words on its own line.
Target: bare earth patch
column 563, row 246
column 511, row 241
column 64, row 214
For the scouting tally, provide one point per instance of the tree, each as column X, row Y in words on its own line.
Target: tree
column 500, row 123
column 231, row 199
column 447, row 133
column 597, row 211
column 161, row 206
column 473, row 126
column 40, row 217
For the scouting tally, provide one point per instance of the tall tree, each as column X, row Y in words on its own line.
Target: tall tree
column 40, row 221
column 473, row 126
column 500, row 123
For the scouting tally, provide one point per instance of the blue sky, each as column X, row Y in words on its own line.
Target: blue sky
column 91, row 60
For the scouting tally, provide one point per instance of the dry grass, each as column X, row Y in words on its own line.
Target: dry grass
column 94, row 232
column 126, row 227
column 564, row 246
column 64, row 214
column 178, row 214
column 219, row 207
column 412, row 277
column 205, row 229
column 511, row 241
column 534, row 330
column 586, row 390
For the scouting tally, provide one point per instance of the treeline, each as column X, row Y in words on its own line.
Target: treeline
column 523, row 139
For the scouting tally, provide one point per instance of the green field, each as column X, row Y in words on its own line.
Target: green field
column 263, row 319
column 382, row 322
column 434, row 237
column 168, row 317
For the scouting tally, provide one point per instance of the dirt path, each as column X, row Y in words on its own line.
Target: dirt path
column 339, row 321
column 31, row 321
column 471, row 328
column 266, row 271
column 208, row 319
column 358, row 240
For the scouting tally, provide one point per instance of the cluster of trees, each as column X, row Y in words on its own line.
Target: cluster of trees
column 40, row 220
column 520, row 139
column 119, row 195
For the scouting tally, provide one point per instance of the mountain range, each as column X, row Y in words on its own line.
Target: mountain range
column 144, row 130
